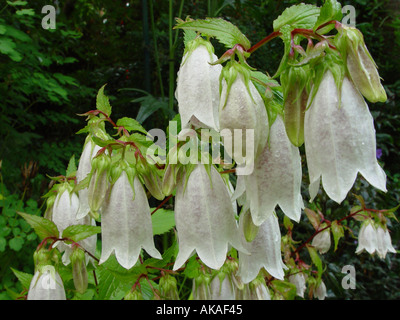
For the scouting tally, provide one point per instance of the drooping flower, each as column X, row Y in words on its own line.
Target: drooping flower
column 320, row 291
column 276, row 178
column 90, row 149
column 46, row 284
column 299, row 280
column 126, row 222
column 374, row 239
column 265, row 251
column 256, row 290
column 64, row 214
column 201, row 287
column 340, row 140
column 197, row 90
column 222, row 288
column 384, row 242
column 242, row 111
column 322, row 241
column 360, row 64
column 367, row 238
column 204, row 217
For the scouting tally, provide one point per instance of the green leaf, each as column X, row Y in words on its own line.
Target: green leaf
column 7, row 46
column 17, row 3
column 224, row 31
column 130, row 124
column 298, row 16
column 337, row 232
column 331, row 10
column 71, row 169
column 3, row 243
column 16, row 243
column 284, row 288
column 163, row 221
column 315, row 258
column 22, row 12
column 23, row 277
column 313, row 217
column 43, row 227
column 79, row 232
column 102, row 102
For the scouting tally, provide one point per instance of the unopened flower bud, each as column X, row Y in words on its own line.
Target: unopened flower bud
column 135, row 294
column 201, row 287
column 362, row 68
column 250, row 230
column 168, row 287
column 99, row 183
column 79, row 272
column 322, row 241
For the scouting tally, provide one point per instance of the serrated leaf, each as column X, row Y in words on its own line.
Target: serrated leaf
column 337, row 232
column 163, row 221
column 79, row 232
column 313, row 217
column 23, row 277
column 131, row 124
column 315, row 258
column 43, row 227
column 102, row 102
column 331, row 10
column 224, row 31
column 71, row 169
column 298, row 16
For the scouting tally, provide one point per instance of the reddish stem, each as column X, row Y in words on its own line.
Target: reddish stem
column 268, row 38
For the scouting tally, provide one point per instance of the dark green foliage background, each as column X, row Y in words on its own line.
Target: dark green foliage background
column 47, row 77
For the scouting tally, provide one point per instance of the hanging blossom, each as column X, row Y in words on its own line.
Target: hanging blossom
column 299, row 280
column 276, row 178
column 90, row 150
column 322, row 241
column 197, row 90
column 374, row 239
column 64, row 214
column 340, row 140
column 264, row 249
column 126, row 222
column 242, row 112
column 320, row 291
column 204, row 217
column 46, row 284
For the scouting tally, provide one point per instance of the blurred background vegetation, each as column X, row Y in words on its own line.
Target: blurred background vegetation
column 47, row 77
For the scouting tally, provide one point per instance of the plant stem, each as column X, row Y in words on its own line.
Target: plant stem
column 268, row 38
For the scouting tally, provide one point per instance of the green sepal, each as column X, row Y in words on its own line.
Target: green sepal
column 330, row 11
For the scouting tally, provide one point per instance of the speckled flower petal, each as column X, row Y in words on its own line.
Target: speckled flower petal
column 126, row 223
column 197, row 90
column 265, row 251
column 340, row 141
column 276, row 178
column 205, row 219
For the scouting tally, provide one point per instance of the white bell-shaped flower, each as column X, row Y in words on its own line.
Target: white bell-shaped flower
column 299, row 280
column 367, row 238
column 205, row 219
column 322, row 241
column 222, row 288
column 340, row 140
column 90, row 149
column 384, row 242
column 276, row 178
column 126, row 225
column 46, row 284
column 265, row 251
column 197, row 90
column 242, row 111
column 65, row 210
column 320, row 291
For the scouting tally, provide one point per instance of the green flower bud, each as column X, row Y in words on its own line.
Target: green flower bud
column 168, row 287
column 360, row 64
column 250, row 230
column 201, row 287
column 295, row 84
column 135, row 294
column 99, row 183
column 79, row 272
